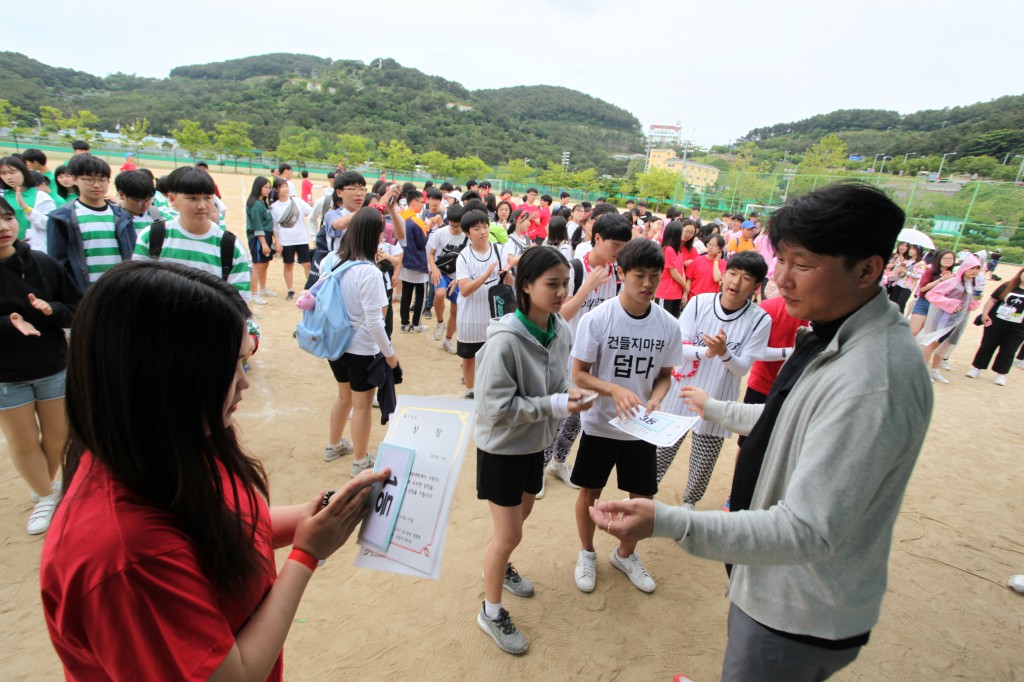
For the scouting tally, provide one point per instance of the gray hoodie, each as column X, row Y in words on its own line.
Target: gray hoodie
column 515, row 378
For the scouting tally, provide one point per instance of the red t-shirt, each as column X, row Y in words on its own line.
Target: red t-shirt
column 307, row 190
column 782, row 335
column 124, row 592
column 669, row 289
column 701, row 276
column 535, row 230
column 128, row 166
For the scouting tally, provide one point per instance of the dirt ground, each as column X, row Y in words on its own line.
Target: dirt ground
column 947, row 615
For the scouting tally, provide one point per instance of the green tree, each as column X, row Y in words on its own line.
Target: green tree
column 297, row 144
column 396, row 156
column 656, row 183
column 438, row 164
column 132, row 134
column 9, row 114
column 232, row 138
column 515, row 171
column 554, row 176
column 191, row 137
column 470, row 167
column 828, row 154
column 353, row 150
column 584, row 180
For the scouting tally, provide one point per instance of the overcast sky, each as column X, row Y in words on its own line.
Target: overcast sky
column 717, row 68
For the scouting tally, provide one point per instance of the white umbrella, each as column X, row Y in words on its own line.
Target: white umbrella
column 916, row 237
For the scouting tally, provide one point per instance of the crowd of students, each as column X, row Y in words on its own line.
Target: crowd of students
column 617, row 314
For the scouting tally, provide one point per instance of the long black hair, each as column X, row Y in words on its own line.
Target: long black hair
column 27, row 181
column 257, row 187
column 672, row 236
column 160, row 430
column 557, row 231
column 61, row 189
column 362, row 237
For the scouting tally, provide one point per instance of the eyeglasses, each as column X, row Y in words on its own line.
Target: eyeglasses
column 356, row 189
column 94, row 181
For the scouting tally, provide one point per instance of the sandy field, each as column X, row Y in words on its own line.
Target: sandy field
column 948, row 614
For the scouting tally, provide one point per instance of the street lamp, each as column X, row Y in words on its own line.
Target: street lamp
column 1020, row 171
column 938, row 176
column 907, row 156
column 876, row 161
column 884, row 159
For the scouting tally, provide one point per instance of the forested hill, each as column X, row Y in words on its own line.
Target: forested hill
column 992, row 128
column 381, row 100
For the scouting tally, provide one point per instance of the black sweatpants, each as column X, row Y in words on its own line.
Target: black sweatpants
column 1006, row 337
column 408, row 290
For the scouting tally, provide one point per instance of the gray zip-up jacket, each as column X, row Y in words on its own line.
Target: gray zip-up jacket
column 811, row 554
column 515, row 378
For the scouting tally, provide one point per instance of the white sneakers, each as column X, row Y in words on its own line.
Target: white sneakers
column 439, row 331
column 562, row 471
column 973, row 373
column 945, row 366
column 359, row 467
column 342, row 447
column 449, row 346
column 1000, row 380
column 586, row 571
column 257, row 299
column 634, row 570
column 39, row 521
column 936, row 375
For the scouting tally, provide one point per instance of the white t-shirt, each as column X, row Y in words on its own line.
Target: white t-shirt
column 610, row 289
column 299, row 232
column 474, row 310
column 583, row 249
column 626, row 351
column 514, row 246
column 442, row 240
column 390, row 250
column 746, row 330
column 362, row 288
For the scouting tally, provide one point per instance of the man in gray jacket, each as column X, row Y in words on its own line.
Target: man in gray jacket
column 820, row 479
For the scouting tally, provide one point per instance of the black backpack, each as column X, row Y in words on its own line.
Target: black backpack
column 158, row 230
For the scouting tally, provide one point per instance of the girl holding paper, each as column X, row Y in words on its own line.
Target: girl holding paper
column 523, row 391
column 159, row 563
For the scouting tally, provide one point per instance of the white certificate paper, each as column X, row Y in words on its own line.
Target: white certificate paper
column 659, row 428
column 439, row 431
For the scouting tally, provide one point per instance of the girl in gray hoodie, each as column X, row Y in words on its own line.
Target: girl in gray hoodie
column 522, row 391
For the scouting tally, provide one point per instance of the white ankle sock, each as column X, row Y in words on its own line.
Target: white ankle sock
column 589, row 555
column 492, row 610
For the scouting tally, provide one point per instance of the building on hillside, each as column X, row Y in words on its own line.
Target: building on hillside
column 662, row 135
column 699, row 175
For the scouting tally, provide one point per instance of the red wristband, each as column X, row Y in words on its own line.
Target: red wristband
column 304, row 558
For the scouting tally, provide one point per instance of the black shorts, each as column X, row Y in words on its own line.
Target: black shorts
column 257, row 253
column 502, row 479
column 467, row 351
column 288, row 253
column 635, row 463
column 353, row 370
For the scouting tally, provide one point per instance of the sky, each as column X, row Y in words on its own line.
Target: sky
column 718, row 69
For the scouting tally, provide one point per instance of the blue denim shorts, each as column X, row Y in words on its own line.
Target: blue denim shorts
column 18, row 393
column 921, row 307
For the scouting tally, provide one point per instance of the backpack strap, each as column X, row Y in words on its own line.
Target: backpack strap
column 157, row 232
column 227, row 254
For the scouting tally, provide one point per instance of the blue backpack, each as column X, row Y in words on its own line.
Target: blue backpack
column 325, row 331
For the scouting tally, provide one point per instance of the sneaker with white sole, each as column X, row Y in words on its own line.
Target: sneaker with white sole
column 632, row 567
column 268, row 293
column 39, row 521
column 502, row 631
column 543, row 489
column 1019, row 364
column 562, row 471
column 973, row 373
column 419, row 328
column 439, row 331
column 1000, row 380
column 359, row 467
column 449, row 347
column 515, row 583
column 586, row 571
column 333, row 452
column 936, row 375
column 428, row 313
column 258, row 300
column 945, row 366
column 55, row 487
column 291, row 295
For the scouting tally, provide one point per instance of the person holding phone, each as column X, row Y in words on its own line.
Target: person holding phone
column 159, row 563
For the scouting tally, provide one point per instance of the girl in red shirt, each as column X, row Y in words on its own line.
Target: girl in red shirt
column 705, row 272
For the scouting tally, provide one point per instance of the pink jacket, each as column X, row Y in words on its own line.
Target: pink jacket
column 945, row 295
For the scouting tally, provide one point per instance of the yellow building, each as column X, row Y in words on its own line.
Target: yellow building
column 699, row 175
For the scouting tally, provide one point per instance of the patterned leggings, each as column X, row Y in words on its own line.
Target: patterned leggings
column 703, row 455
column 568, row 429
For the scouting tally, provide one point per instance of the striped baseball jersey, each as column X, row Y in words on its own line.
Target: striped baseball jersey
column 474, row 310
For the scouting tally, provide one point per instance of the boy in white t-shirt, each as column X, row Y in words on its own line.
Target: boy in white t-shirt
column 477, row 269
column 291, row 233
column 446, row 240
column 624, row 350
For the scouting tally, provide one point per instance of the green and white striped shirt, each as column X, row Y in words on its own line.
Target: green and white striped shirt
column 99, row 239
column 198, row 251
